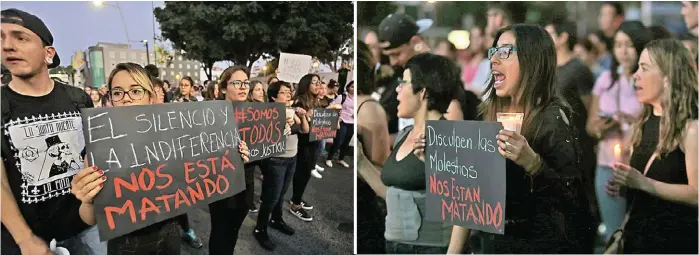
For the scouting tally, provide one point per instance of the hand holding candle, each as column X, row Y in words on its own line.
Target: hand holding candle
column 511, row 121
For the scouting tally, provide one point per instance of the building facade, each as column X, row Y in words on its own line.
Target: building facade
column 102, row 58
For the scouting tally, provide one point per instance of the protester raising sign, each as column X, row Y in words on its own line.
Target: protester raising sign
column 161, row 161
column 465, row 175
column 292, row 67
column 261, row 126
column 324, row 124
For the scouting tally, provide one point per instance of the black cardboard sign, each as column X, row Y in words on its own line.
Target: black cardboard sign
column 323, row 124
column 465, row 175
column 161, row 161
column 261, row 126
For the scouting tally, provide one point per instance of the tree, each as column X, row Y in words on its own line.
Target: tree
column 190, row 30
column 370, row 14
column 242, row 32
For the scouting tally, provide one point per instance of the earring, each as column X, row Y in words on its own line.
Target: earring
column 49, row 61
column 418, row 47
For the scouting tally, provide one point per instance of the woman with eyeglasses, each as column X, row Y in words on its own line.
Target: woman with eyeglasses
column 306, row 99
column 546, row 206
column 278, row 172
column 184, row 93
column 130, row 85
column 424, row 93
column 613, row 109
column 662, row 175
column 227, row 215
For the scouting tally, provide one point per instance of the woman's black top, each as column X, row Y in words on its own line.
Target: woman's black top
column 657, row 225
column 548, row 212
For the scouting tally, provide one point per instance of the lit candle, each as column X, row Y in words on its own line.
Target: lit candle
column 617, row 152
column 511, row 121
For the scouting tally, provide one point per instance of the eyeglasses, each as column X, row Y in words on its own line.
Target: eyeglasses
column 503, row 52
column 239, row 84
column 136, row 93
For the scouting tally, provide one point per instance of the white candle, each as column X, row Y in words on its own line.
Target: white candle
column 617, row 152
column 511, row 121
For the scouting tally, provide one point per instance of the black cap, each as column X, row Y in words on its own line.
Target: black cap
column 34, row 24
column 398, row 28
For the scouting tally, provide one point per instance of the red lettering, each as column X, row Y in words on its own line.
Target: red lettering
column 163, row 175
column 476, row 194
column 433, row 184
column 213, row 163
column 196, row 194
column 199, row 164
column 449, row 207
column 243, row 131
column 275, row 113
column 187, row 169
column 165, row 198
column 239, row 115
column 210, row 187
column 142, row 182
column 218, row 184
column 119, row 182
column 147, row 206
column 279, row 135
column 180, row 197
column 128, row 207
column 498, row 215
column 225, row 163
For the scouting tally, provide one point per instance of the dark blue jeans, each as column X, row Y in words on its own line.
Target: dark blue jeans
column 278, row 173
column 164, row 241
column 401, row 248
column 342, row 141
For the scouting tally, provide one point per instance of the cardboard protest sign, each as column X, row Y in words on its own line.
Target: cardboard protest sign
column 261, row 126
column 161, row 161
column 292, row 67
column 465, row 175
column 323, row 124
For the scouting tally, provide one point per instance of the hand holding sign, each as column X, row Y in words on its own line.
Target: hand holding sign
column 515, row 147
column 244, row 153
column 419, row 147
column 87, row 183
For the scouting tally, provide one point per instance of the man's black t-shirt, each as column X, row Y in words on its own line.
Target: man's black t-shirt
column 42, row 149
column 575, row 74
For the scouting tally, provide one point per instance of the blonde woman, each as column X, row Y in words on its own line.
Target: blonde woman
column 129, row 85
column 663, row 211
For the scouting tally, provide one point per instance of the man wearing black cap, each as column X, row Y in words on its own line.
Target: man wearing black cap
column 37, row 206
column 400, row 39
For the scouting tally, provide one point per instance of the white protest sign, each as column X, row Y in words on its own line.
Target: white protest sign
column 292, row 67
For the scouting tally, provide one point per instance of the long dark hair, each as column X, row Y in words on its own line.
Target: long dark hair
column 365, row 73
column 639, row 35
column 303, row 92
column 537, row 70
column 210, row 89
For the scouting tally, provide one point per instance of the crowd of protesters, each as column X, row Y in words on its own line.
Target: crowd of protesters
column 31, row 219
column 627, row 88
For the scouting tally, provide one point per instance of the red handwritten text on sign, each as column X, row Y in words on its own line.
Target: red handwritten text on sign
column 204, row 178
column 464, row 203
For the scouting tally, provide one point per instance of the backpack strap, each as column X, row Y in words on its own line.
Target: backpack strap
column 77, row 96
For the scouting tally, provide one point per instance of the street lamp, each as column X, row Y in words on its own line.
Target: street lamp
column 145, row 42
column 121, row 14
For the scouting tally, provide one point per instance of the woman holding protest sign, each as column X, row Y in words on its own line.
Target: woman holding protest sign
column 662, row 174
column 256, row 93
column 129, row 85
column 306, row 99
column 425, row 92
column 278, row 172
column 545, row 200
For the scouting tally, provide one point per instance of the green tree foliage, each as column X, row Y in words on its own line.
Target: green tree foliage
column 243, row 31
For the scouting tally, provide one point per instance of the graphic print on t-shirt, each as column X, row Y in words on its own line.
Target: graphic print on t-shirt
column 48, row 153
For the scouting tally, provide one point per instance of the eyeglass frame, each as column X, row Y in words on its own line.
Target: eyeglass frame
column 128, row 93
column 245, row 83
column 493, row 50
